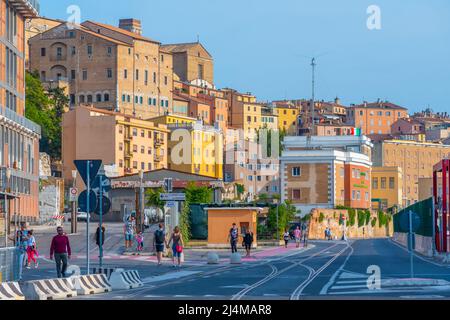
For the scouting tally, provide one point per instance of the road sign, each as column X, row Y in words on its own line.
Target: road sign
column 171, row 204
column 82, row 201
column 173, row 197
column 73, row 194
column 404, row 222
column 106, row 183
column 106, row 206
column 94, row 166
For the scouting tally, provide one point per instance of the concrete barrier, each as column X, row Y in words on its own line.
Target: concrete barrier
column 91, row 284
column 123, row 280
column 236, row 258
column 11, row 291
column 106, row 271
column 213, row 258
column 51, row 289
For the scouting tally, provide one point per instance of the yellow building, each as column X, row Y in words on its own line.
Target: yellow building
column 128, row 143
column 287, row 117
column 193, row 147
column 387, row 187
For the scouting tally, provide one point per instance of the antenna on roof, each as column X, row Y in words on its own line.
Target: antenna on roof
column 198, row 38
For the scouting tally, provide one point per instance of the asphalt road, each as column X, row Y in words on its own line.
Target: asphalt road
column 329, row 270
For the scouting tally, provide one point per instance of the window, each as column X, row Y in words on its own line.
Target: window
column 200, row 71
column 149, row 151
column 73, row 50
column 43, row 52
column 85, row 74
column 72, row 99
column 109, row 73
column 125, row 74
column 391, row 183
column 137, row 74
column 121, row 146
column 99, row 98
column 353, row 195
column 146, row 77
column 89, row 98
column 374, row 183
column 296, row 194
column 154, row 77
column 89, row 50
column 106, row 97
column 367, row 196
column 121, row 129
column 342, row 172
column 143, row 133
column 82, row 100
column 135, row 164
column 296, row 172
column 142, row 149
column 166, row 80
column 383, row 183
column 59, row 52
column 135, row 133
column 109, row 51
column 73, row 74
column 135, row 148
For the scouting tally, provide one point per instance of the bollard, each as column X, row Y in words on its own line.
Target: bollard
column 213, row 258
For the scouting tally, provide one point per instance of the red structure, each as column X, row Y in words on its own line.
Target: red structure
column 441, row 204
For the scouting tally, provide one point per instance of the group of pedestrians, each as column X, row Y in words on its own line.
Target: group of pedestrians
column 300, row 235
column 247, row 240
column 26, row 246
column 175, row 243
column 132, row 235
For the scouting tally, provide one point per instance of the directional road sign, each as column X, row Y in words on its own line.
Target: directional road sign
column 173, row 197
column 106, row 206
column 82, row 201
column 82, row 167
column 106, row 183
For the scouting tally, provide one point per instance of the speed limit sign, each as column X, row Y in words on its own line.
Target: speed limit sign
column 73, row 194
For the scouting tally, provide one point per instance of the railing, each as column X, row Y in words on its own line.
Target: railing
column 158, row 158
column 27, row 8
column 9, row 264
column 13, row 116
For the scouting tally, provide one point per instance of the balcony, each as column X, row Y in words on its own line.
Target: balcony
column 26, row 8
column 158, row 142
column 24, row 122
column 128, row 155
column 159, row 158
column 128, row 138
column 128, row 171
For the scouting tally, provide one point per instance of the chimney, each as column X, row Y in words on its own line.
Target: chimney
column 132, row 25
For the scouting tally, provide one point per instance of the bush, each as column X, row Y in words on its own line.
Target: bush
column 382, row 219
column 361, row 218
column 367, row 217
column 321, row 217
column 374, row 222
column 351, row 217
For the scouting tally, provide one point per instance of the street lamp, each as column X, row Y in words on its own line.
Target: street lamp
column 278, row 227
column 74, row 219
column 141, row 200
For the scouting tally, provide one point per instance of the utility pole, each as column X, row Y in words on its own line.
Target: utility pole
column 313, row 65
column 74, row 218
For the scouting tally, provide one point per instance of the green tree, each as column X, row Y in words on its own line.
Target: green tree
column 153, row 197
column 286, row 214
column 240, row 188
column 351, row 217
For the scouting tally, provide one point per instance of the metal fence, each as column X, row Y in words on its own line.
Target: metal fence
column 424, row 210
column 9, row 264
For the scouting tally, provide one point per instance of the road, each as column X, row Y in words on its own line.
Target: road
column 328, row 270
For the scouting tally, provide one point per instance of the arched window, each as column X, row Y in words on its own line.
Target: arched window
column 89, row 98
column 82, row 99
column 106, row 97
column 99, row 97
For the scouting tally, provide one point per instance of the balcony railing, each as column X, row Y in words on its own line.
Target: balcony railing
column 13, row 116
column 158, row 158
column 26, row 8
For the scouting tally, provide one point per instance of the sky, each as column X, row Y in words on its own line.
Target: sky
column 265, row 46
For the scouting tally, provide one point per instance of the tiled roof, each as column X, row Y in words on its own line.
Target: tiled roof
column 379, row 105
column 122, row 31
column 183, row 47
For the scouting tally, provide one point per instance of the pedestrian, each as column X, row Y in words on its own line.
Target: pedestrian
column 297, row 236
column 330, row 235
column 248, row 242
column 177, row 246
column 60, row 249
column 21, row 243
column 140, row 242
column 233, row 237
column 286, row 238
column 305, row 238
column 159, row 242
column 32, row 250
column 326, row 233
column 128, row 230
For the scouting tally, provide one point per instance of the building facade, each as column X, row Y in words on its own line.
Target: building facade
column 326, row 172
column 387, row 186
column 375, row 118
column 414, row 158
column 108, row 67
column 19, row 137
column 130, row 144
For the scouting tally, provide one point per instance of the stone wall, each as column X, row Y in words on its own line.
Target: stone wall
column 424, row 245
column 331, row 220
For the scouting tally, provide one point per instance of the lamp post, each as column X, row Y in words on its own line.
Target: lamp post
column 278, row 226
column 74, row 218
column 140, row 205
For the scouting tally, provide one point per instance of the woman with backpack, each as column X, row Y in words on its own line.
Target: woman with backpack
column 159, row 243
column 177, row 246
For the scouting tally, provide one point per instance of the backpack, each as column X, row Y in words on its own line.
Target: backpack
column 159, row 237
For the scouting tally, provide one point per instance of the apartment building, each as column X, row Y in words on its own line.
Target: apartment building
column 330, row 129
column 387, row 186
column 408, row 129
column 19, row 137
column 325, row 172
column 108, row 67
column 416, row 160
column 287, row 117
column 376, row 117
column 130, row 144
column 192, row 63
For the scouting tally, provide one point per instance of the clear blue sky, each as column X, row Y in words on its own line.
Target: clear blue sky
column 260, row 45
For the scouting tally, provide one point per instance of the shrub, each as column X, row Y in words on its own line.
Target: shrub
column 321, row 217
column 374, row 222
column 367, row 217
column 351, row 217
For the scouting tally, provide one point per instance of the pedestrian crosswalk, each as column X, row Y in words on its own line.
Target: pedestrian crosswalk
column 358, row 284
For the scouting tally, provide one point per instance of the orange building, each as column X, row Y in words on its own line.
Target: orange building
column 220, row 221
column 19, row 137
column 375, row 118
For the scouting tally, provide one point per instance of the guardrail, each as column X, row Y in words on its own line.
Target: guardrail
column 9, row 265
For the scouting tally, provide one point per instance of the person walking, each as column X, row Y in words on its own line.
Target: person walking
column 248, row 242
column 177, row 246
column 233, row 237
column 140, row 242
column 297, row 236
column 21, row 242
column 97, row 236
column 128, row 230
column 60, row 249
column 32, row 250
column 286, row 238
column 159, row 242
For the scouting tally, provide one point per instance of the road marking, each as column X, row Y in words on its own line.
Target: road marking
column 335, row 275
column 239, row 286
column 350, row 287
column 422, row 297
column 170, row 276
